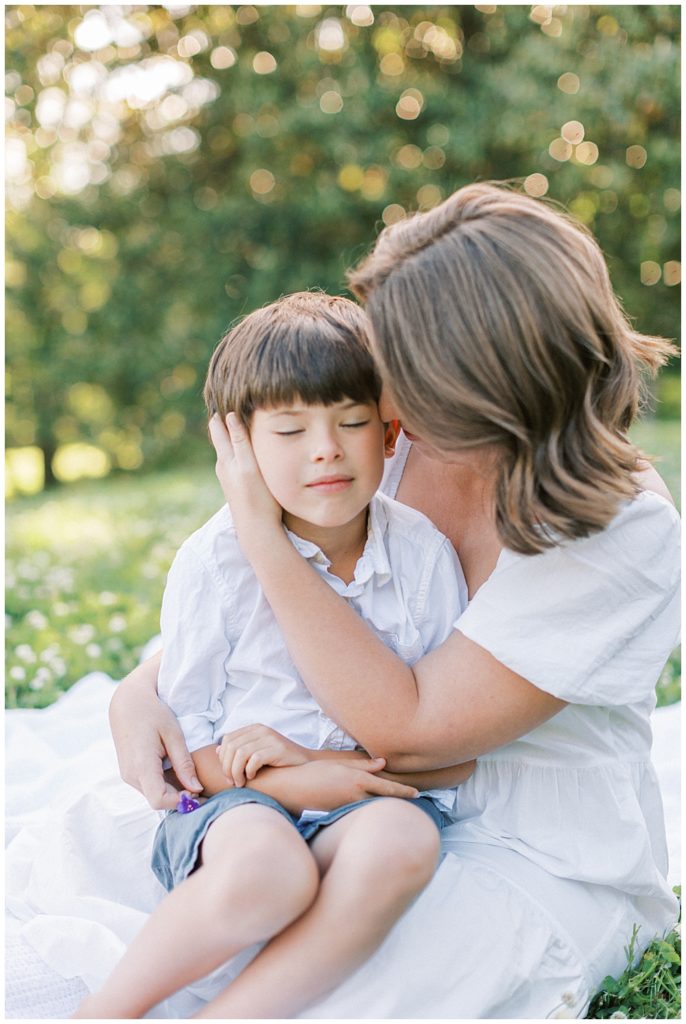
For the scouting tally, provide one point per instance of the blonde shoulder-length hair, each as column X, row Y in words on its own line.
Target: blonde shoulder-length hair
column 494, row 323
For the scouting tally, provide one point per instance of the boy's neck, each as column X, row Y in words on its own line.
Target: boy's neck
column 342, row 545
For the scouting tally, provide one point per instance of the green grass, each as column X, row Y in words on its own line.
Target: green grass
column 649, row 990
column 85, row 571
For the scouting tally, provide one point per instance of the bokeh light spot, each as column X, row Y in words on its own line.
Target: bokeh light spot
column 331, row 102
column 392, row 214
column 636, row 156
column 650, row 272
column 536, row 185
column 350, row 177
column 410, row 104
column 360, row 15
column 223, row 57
column 573, row 131
column 672, row 273
column 262, row 181
column 409, row 157
column 569, row 83
column 560, row 149
column 586, row 153
column 429, row 196
column 263, row 63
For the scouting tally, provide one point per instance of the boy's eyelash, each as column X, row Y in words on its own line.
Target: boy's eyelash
column 291, row 433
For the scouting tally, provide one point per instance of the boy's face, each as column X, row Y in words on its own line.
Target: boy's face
column 322, row 463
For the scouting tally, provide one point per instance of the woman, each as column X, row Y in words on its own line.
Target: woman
column 515, row 375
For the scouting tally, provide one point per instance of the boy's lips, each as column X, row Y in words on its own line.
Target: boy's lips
column 335, row 482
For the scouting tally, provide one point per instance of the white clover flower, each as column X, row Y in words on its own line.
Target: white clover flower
column 41, row 677
column 82, row 634
column 108, row 598
column 50, row 651
column 117, row 624
column 618, row 1015
column 28, row 571
column 115, row 643
column 93, row 650
column 36, row 620
column 18, row 673
column 58, row 666
column 26, row 653
column 60, row 608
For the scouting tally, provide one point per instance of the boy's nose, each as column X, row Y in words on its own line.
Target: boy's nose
column 327, row 449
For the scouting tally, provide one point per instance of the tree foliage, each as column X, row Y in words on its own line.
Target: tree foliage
column 171, row 168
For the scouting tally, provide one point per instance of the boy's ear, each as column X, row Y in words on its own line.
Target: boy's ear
column 390, row 437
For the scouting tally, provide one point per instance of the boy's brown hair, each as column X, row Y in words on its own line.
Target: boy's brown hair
column 307, row 346
column 494, row 323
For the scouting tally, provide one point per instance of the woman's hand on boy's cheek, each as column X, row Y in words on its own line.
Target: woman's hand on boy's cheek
column 242, row 753
column 252, row 504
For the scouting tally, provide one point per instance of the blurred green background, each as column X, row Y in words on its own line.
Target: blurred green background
column 171, row 168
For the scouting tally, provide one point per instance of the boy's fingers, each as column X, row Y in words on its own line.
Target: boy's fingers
column 240, row 442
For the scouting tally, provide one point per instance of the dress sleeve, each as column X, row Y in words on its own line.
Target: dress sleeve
column 195, row 647
column 591, row 621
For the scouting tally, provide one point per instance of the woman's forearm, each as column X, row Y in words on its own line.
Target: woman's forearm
column 349, row 671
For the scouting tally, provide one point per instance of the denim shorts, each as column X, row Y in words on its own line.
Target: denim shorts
column 178, row 837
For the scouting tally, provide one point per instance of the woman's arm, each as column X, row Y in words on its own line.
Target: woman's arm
column 455, row 703
column 144, row 731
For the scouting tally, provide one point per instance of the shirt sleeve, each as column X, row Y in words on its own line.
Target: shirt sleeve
column 442, row 596
column 591, row 621
column 195, row 647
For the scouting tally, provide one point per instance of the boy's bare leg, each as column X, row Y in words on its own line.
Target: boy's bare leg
column 256, row 876
column 374, row 861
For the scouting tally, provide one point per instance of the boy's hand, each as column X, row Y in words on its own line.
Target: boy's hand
column 242, row 753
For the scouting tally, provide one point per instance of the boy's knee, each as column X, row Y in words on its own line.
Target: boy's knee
column 265, row 860
column 402, row 845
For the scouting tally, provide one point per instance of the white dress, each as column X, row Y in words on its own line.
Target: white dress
column 560, row 848
column 559, row 851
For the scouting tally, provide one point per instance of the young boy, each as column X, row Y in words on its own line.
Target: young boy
column 243, row 866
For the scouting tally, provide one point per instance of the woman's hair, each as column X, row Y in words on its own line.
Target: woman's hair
column 307, row 346
column 494, row 323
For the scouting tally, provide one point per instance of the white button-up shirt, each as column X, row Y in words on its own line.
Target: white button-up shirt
column 225, row 663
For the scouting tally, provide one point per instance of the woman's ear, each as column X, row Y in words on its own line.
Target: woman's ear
column 390, row 437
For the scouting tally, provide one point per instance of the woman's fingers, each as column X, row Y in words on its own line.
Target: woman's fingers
column 181, row 760
column 386, row 787
column 220, row 438
column 159, row 793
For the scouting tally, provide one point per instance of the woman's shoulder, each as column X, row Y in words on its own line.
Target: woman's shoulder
column 643, row 536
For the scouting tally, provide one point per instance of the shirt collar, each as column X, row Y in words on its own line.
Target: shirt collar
column 374, row 558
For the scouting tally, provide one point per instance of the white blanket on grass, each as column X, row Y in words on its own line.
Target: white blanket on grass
column 73, row 830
